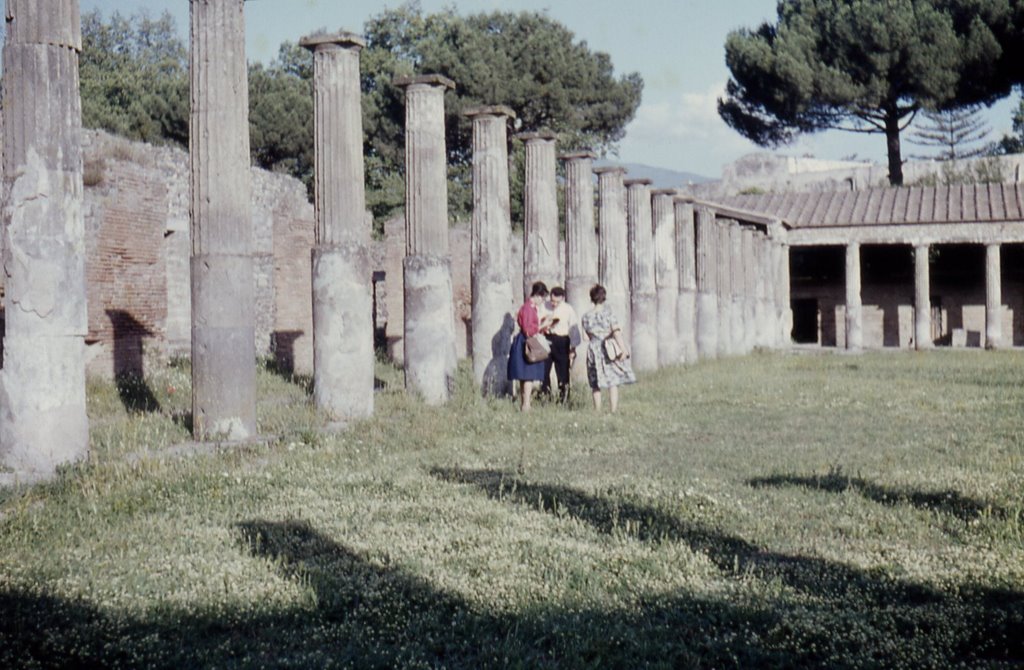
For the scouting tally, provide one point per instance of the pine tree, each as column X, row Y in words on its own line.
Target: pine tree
column 956, row 133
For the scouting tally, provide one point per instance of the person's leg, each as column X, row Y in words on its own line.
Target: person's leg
column 613, row 398
column 597, row 399
column 561, row 362
column 527, row 391
column 545, row 384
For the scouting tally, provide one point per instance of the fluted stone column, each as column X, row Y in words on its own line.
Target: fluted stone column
column 922, row 298
column 343, row 360
column 580, row 240
column 783, row 309
column 429, row 336
column 993, row 297
column 764, row 305
column 540, row 200
column 686, row 307
column 666, row 275
column 612, row 255
column 643, row 289
column 223, row 289
column 493, row 304
column 854, row 310
column 42, row 384
column 748, row 295
column 706, row 267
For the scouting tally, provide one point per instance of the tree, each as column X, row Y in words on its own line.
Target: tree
column 863, row 66
column 281, row 114
column 1014, row 143
column 955, row 132
column 134, row 77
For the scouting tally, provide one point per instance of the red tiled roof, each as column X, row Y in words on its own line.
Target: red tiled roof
column 975, row 203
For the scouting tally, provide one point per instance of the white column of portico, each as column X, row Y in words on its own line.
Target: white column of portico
column 922, row 299
column 854, row 311
column 993, row 297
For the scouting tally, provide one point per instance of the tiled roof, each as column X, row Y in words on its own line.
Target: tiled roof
column 976, row 203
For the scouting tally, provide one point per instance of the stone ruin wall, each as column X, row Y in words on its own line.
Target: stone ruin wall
column 137, row 219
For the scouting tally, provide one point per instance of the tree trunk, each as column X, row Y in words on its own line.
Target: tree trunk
column 892, row 141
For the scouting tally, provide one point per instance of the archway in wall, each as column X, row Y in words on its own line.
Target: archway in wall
column 817, row 275
column 958, row 294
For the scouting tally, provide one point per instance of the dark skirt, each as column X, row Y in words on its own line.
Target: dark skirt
column 518, row 368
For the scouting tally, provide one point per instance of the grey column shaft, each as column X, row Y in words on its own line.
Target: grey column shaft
column 666, row 276
column 223, row 291
column 540, row 216
column 854, row 310
column 490, row 250
column 343, row 360
column 725, row 311
column 762, row 281
column 748, row 296
column 993, row 297
column 707, row 283
column 613, row 262
column 785, row 298
column 686, row 308
column 737, row 288
column 580, row 240
column 42, row 384
column 922, row 298
column 643, row 289
column 429, row 339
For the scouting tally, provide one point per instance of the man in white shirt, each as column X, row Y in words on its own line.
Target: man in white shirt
column 564, row 336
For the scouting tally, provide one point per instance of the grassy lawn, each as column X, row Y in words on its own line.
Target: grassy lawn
column 769, row 511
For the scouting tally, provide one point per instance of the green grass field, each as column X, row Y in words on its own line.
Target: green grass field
column 770, row 511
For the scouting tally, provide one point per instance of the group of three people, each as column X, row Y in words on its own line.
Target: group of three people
column 548, row 315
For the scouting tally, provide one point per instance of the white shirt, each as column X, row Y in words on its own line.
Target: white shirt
column 568, row 324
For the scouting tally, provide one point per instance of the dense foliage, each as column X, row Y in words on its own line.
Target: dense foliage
column 135, row 83
column 867, row 66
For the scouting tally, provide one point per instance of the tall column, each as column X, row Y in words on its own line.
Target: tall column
column 429, row 336
column 854, row 310
column 706, row 267
column 781, row 290
column 580, row 239
column 643, row 288
column 343, row 358
column 993, row 297
column 686, row 307
column 540, row 200
column 738, row 288
column 42, row 384
column 491, row 249
column 612, row 261
column 748, row 295
column 763, row 308
column 223, row 291
column 666, row 276
column 922, row 298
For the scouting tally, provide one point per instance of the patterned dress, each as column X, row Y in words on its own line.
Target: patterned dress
column 602, row 373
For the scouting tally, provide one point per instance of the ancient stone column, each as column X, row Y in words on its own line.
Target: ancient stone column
column 613, row 259
column 706, row 267
column 429, row 318
column 540, row 204
column 765, row 302
column 42, row 384
column 748, row 292
column 686, row 307
column 781, row 292
column 343, row 360
column 643, row 288
column 727, row 309
column 580, row 237
column 491, row 250
column 666, row 275
column 993, row 297
column 922, row 298
column 854, row 310
column 223, row 290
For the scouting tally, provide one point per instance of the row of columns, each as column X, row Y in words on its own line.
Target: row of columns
column 922, row 297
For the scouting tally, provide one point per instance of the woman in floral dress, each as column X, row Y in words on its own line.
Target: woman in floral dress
column 604, row 372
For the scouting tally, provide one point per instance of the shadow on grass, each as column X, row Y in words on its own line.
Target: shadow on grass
column 948, row 502
column 370, row 613
column 135, row 393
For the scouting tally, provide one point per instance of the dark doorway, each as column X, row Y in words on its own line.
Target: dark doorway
column 805, row 320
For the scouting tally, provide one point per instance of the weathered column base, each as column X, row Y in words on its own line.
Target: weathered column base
column 749, row 326
column 737, row 327
column 763, row 327
column 429, row 328
column 493, row 323
column 343, row 361
column 686, row 326
column 668, row 335
column 645, row 332
column 854, row 327
column 223, row 347
column 707, row 325
column 43, row 420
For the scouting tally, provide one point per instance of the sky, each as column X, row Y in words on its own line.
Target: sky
column 677, row 46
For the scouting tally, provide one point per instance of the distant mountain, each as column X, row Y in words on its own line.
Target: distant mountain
column 661, row 177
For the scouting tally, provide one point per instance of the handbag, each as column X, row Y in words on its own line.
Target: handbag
column 612, row 349
column 537, row 349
